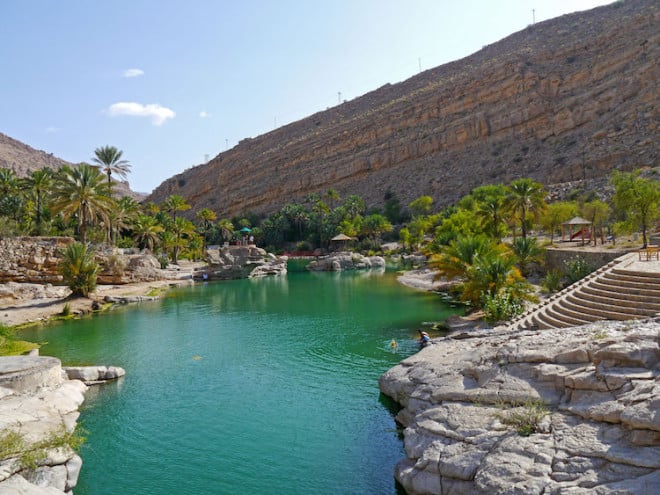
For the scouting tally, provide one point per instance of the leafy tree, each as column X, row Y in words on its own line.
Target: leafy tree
column 79, row 269
column 109, row 158
column 597, row 212
column 638, row 199
column 174, row 204
column 421, row 206
column 525, row 196
column 376, row 225
column 404, row 237
column 556, row 214
column 82, row 192
column 392, row 209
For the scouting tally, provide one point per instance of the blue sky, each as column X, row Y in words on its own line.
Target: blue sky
column 171, row 82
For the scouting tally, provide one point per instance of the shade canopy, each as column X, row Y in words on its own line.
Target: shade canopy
column 341, row 237
column 577, row 221
column 246, row 229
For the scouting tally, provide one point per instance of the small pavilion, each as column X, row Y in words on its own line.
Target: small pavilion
column 341, row 240
column 581, row 228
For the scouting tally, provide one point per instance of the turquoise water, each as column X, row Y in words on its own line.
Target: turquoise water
column 252, row 386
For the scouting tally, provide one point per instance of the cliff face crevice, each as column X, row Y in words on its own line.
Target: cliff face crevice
column 563, row 100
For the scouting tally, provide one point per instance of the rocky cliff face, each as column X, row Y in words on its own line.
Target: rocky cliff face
column 598, row 432
column 563, row 100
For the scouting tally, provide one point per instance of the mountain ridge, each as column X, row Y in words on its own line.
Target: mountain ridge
column 562, row 100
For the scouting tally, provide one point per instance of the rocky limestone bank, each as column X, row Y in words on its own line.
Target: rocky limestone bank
column 232, row 262
column 564, row 100
column 338, row 262
column 601, row 434
column 36, row 259
column 37, row 401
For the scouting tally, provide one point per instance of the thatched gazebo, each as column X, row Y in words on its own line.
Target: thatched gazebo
column 342, row 240
column 580, row 222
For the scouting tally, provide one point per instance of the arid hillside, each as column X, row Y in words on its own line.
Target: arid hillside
column 568, row 99
column 24, row 159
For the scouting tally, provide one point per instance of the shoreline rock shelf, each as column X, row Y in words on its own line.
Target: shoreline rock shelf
column 38, row 400
column 598, row 431
column 338, row 262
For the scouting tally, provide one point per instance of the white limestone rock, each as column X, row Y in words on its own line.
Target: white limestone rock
column 601, row 432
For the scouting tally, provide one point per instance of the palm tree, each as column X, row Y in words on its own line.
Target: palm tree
column 175, row 203
column 226, row 228
column 82, row 192
column 120, row 217
column 525, row 196
column 39, row 181
column 146, row 230
column 207, row 216
column 109, row 158
column 526, row 251
column 79, row 269
column 181, row 228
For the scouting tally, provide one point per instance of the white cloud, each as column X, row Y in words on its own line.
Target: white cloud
column 132, row 73
column 204, row 114
column 157, row 113
column 52, row 129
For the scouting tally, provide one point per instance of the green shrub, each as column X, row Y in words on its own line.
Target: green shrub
column 501, row 307
column 79, row 269
column 525, row 418
column 553, row 281
column 163, row 259
column 577, row 268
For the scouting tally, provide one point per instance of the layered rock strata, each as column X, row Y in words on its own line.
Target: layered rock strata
column 568, row 99
column 597, row 433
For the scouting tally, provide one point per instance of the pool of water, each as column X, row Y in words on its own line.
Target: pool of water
column 262, row 386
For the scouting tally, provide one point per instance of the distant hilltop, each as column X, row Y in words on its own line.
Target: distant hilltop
column 564, row 100
column 23, row 159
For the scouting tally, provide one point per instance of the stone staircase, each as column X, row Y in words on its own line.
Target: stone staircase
column 624, row 289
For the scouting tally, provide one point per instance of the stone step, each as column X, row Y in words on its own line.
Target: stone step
column 618, row 298
column 600, row 313
column 634, row 289
column 575, row 317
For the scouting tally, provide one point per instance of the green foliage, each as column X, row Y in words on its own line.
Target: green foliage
column 637, row 200
column 30, row 456
column 163, row 259
column 10, row 346
column 66, row 310
column 502, row 306
column 525, row 418
column 421, row 206
column 524, row 196
column 527, row 251
column 552, row 282
column 577, row 268
column 79, row 268
column 556, row 214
